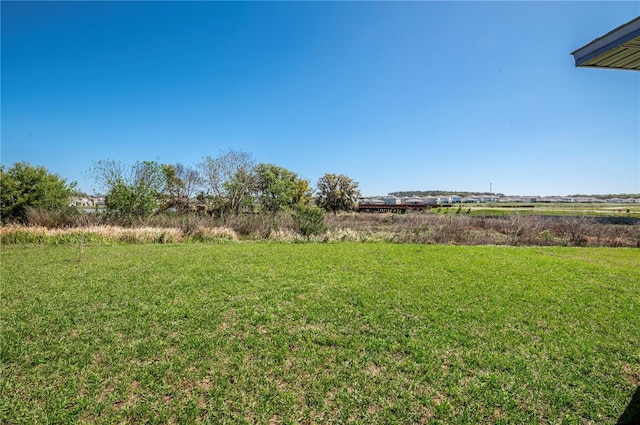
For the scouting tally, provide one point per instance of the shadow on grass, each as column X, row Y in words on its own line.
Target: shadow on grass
column 631, row 415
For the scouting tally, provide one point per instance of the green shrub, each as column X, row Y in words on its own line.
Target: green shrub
column 309, row 220
column 25, row 188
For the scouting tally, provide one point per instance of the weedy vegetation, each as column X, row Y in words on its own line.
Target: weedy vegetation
column 264, row 332
column 310, row 224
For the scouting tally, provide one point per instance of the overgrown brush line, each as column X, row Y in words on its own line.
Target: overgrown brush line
column 18, row 234
column 420, row 228
column 516, row 229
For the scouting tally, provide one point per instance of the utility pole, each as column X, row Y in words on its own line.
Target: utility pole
column 490, row 188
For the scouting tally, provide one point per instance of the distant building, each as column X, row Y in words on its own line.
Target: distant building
column 371, row 201
column 391, row 200
column 478, row 199
column 518, row 199
column 429, row 200
column 413, row 201
column 489, row 198
column 80, row 201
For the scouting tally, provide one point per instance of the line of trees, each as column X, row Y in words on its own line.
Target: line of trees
column 230, row 183
column 608, row 196
column 421, row 193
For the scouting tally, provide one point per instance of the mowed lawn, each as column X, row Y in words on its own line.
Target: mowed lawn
column 318, row 333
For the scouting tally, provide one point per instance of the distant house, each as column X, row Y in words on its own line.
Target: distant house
column 429, row 200
column 391, row 200
column 413, row 201
column 371, row 201
column 518, row 199
column 81, row 202
column 489, row 198
column 589, row 200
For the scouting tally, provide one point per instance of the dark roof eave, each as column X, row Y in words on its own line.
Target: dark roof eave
column 607, row 42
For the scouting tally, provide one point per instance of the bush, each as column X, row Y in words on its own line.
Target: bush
column 25, row 188
column 309, row 220
column 129, row 202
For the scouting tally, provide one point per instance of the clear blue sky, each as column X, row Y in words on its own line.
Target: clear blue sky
column 398, row 96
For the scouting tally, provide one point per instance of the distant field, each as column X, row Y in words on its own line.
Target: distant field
column 577, row 209
column 318, row 333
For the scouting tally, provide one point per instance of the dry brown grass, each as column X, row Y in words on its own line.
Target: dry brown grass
column 421, row 228
column 208, row 233
column 109, row 234
column 466, row 230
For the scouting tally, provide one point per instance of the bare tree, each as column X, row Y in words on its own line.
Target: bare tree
column 229, row 179
column 191, row 180
column 182, row 182
column 106, row 173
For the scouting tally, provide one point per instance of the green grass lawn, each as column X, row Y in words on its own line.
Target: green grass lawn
column 318, row 333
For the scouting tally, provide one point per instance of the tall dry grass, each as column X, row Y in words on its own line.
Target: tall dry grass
column 19, row 234
column 515, row 229
column 422, row 228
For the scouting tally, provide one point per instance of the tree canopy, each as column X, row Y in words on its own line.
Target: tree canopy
column 229, row 179
column 131, row 192
column 337, row 193
column 279, row 188
column 181, row 184
column 24, row 187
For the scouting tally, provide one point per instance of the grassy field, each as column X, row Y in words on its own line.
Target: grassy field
column 559, row 209
column 318, row 333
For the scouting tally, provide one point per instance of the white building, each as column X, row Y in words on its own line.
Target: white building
column 429, row 200
column 414, row 200
column 391, row 200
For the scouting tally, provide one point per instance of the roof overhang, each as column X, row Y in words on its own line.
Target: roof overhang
column 618, row 49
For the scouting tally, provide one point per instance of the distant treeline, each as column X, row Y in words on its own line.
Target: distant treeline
column 464, row 194
column 610, row 196
column 439, row 193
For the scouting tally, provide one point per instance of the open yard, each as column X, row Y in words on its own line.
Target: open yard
column 271, row 333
